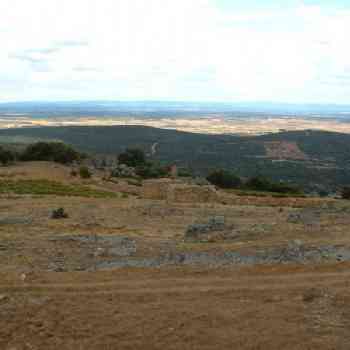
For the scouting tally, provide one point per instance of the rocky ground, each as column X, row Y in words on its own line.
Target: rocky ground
column 132, row 273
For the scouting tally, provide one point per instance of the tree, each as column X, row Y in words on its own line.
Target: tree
column 151, row 171
column 258, row 183
column 224, row 179
column 6, row 156
column 50, row 151
column 132, row 157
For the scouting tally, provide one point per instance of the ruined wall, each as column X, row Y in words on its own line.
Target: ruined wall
column 155, row 189
column 192, row 194
column 176, row 191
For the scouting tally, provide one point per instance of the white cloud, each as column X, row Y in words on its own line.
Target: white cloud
column 165, row 49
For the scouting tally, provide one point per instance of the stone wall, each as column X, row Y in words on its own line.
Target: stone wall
column 192, row 194
column 176, row 191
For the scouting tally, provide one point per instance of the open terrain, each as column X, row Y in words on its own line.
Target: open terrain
column 125, row 270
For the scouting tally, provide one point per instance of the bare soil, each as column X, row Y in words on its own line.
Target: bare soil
column 284, row 150
column 249, row 308
column 53, row 295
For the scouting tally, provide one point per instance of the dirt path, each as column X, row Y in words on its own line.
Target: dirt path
column 275, row 307
column 154, row 148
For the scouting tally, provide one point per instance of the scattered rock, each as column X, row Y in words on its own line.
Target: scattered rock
column 294, row 218
column 214, row 230
column 295, row 244
column 122, row 170
column 99, row 252
column 201, row 181
column 59, row 214
column 307, row 217
column 217, row 223
column 115, row 246
column 294, row 253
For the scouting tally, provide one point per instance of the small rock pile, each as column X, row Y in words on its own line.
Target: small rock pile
column 204, row 232
column 122, row 170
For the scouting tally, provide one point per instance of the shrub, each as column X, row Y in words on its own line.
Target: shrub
column 6, row 156
column 84, row 172
column 345, row 193
column 59, row 214
column 151, row 171
column 323, row 193
column 224, row 179
column 73, row 172
column 259, row 183
column 184, row 172
column 50, row 151
column 132, row 157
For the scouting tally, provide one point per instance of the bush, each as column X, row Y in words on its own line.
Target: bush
column 84, row 172
column 59, row 214
column 50, row 151
column 258, row 184
column 184, row 172
column 151, row 171
column 345, row 193
column 6, row 156
column 224, row 179
column 262, row 184
column 132, row 157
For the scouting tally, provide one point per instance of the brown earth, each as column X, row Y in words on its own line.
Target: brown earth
column 278, row 306
column 249, row 308
column 284, row 150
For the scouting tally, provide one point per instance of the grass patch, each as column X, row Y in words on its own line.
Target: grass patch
column 264, row 194
column 47, row 187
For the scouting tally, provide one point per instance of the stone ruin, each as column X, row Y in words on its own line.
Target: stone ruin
column 176, row 191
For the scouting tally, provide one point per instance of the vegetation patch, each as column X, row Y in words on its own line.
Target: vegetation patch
column 244, row 193
column 50, row 151
column 47, row 187
column 84, row 172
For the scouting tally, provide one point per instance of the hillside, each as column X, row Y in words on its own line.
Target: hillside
column 315, row 159
column 167, row 265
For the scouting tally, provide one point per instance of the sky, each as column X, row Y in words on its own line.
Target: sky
column 181, row 50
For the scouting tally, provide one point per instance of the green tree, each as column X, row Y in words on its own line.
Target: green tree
column 132, row 157
column 224, row 179
column 50, row 151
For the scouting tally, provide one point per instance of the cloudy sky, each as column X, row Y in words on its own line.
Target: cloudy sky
column 200, row 50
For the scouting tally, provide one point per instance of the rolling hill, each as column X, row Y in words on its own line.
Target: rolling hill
column 316, row 160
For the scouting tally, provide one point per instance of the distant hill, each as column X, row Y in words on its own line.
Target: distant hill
column 315, row 159
column 37, row 109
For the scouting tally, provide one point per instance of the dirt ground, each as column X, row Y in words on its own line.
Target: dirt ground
column 248, row 308
column 57, row 290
